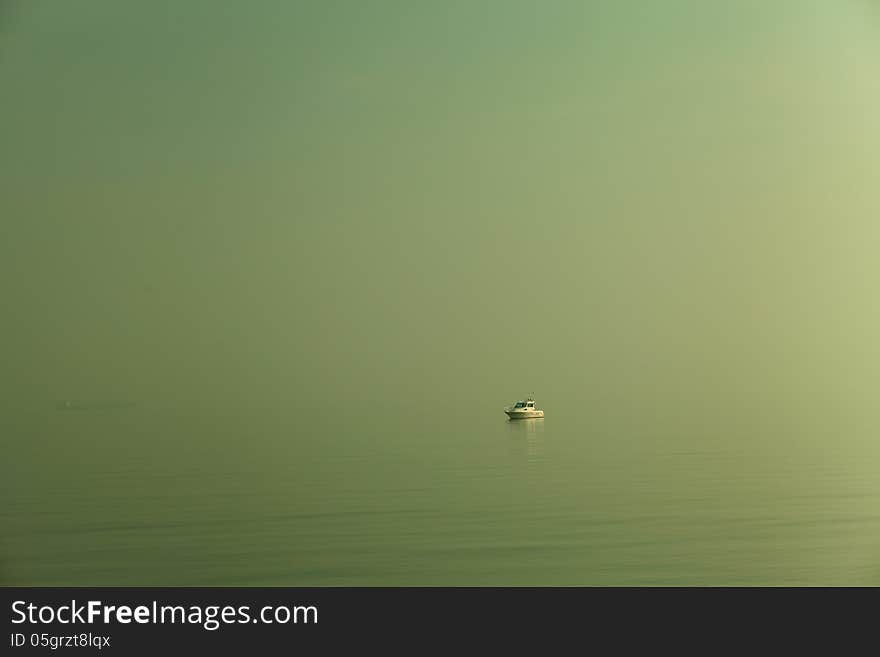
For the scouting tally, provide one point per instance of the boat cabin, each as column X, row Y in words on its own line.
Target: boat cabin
column 525, row 404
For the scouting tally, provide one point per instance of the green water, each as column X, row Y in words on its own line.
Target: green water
column 444, row 495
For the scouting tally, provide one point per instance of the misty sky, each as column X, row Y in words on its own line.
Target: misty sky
column 645, row 204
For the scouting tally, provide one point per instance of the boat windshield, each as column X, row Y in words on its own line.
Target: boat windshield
column 519, row 405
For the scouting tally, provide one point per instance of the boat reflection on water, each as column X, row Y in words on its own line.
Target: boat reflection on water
column 527, row 437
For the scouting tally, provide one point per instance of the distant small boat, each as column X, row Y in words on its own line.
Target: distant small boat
column 93, row 405
column 522, row 410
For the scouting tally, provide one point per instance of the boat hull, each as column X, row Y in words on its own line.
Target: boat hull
column 524, row 415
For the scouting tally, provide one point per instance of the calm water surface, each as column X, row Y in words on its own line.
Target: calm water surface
column 406, row 496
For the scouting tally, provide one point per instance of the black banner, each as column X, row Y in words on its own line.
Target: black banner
column 125, row 621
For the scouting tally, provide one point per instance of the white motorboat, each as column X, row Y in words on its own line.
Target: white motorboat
column 524, row 409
